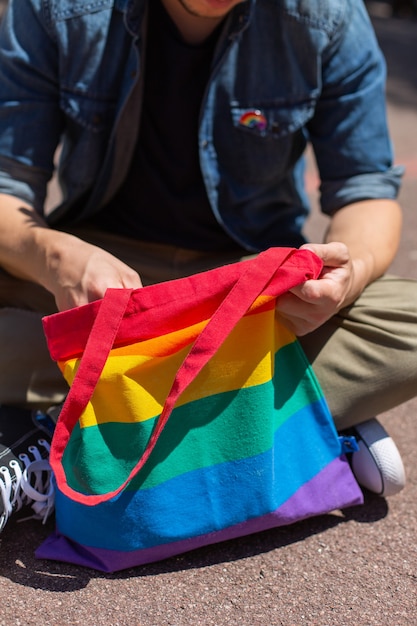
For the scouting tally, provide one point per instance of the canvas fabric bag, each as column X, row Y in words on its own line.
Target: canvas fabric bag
column 193, row 417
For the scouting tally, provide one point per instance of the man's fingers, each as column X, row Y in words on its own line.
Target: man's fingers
column 332, row 254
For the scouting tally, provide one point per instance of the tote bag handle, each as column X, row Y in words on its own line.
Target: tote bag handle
column 255, row 276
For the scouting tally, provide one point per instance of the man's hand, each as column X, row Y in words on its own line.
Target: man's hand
column 78, row 273
column 308, row 306
column 74, row 271
column 362, row 240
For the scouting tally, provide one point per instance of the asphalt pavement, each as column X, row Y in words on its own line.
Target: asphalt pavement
column 357, row 567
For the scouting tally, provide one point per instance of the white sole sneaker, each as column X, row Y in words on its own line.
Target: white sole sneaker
column 377, row 465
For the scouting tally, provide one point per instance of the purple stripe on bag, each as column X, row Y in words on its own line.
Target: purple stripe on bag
column 316, row 496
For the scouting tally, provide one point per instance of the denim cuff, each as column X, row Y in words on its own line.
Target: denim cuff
column 336, row 194
column 21, row 181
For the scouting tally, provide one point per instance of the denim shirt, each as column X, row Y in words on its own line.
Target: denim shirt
column 284, row 73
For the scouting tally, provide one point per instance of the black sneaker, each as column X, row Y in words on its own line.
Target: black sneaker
column 25, row 473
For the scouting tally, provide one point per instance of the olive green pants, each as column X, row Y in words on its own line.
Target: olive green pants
column 365, row 358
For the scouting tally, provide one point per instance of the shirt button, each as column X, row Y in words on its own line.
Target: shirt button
column 204, row 143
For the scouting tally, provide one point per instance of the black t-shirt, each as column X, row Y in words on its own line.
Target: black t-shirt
column 163, row 198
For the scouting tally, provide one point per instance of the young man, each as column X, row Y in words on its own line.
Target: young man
column 182, row 126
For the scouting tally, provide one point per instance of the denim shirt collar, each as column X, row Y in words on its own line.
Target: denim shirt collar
column 240, row 17
column 134, row 11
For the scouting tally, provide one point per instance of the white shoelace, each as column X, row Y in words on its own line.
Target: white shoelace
column 32, row 486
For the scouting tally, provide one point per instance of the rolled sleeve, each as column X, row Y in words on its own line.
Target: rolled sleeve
column 336, row 194
column 24, row 182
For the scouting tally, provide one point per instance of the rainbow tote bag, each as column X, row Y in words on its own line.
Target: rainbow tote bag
column 193, row 417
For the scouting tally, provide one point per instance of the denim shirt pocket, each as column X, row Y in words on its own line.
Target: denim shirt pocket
column 264, row 141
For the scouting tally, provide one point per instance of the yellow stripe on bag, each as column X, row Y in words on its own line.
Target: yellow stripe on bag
column 138, row 380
